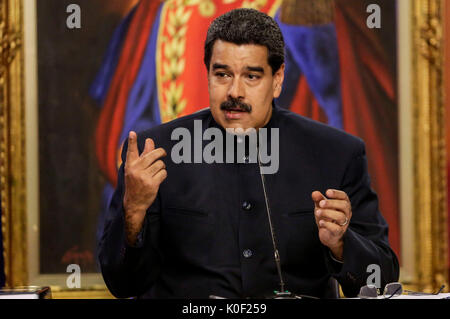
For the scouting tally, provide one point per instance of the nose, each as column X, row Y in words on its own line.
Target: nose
column 236, row 89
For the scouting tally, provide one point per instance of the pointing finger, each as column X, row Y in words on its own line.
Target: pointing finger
column 132, row 151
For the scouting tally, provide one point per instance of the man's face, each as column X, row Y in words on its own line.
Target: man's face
column 241, row 85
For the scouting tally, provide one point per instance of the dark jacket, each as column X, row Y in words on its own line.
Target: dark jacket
column 207, row 232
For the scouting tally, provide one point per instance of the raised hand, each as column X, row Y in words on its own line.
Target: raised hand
column 332, row 215
column 144, row 174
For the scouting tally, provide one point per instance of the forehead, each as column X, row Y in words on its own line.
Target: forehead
column 239, row 55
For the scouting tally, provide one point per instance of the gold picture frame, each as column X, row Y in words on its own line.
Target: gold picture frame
column 18, row 154
column 422, row 131
column 12, row 142
column 430, row 161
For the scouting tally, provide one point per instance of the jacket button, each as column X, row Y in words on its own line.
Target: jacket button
column 246, row 206
column 247, row 253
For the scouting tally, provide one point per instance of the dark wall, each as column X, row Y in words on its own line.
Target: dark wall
column 70, row 181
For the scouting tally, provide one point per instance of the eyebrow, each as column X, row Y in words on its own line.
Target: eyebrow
column 249, row 68
column 220, row 66
column 255, row 69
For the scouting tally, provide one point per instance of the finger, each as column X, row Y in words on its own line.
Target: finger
column 160, row 176
column 155, row 168
column 336, row 194
column 317, row 197
column 149, row 146
column 333, row 216
column 149, row 158
column 342, row 205
column 132, row 151
column 335, row 230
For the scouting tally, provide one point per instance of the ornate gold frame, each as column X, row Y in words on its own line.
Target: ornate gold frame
column 430, row 211
column 12, row 142
column 430, row 182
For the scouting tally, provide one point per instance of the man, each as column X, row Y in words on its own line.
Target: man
column 192, row 230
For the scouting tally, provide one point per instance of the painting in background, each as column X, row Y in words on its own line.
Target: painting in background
column 70, row 181
column 338, row 71
column 132, row 67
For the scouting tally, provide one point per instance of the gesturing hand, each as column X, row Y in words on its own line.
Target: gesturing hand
column 143, row 175
column 332, row 215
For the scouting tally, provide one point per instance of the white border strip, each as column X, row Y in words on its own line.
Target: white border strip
column 31, row 138
column 405, row 118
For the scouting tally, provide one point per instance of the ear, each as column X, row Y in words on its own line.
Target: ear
column 208, row 77
column 278, row 79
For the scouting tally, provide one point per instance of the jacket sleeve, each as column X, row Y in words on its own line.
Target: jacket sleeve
column 129, row 271
column 366, row 245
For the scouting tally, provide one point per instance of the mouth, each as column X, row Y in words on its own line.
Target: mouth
column 234, row 114
column 235, row 110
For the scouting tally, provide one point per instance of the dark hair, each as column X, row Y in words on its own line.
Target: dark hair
column 247, row 26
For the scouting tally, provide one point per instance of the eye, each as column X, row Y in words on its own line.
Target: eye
column 253, row 77
column 221, row 74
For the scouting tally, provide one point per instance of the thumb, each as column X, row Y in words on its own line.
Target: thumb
column 317, row 197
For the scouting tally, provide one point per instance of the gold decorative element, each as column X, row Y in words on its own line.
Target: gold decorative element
column 173, row 62
column 12, row 142
column 273, row 10
column 93, row 293
column 207, row 8
column 430, row 41
column 431, row 246
column 255, row 4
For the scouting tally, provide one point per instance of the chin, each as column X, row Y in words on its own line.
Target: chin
column 236, row 125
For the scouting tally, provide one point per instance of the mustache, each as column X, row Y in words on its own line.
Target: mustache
column 233, row 104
